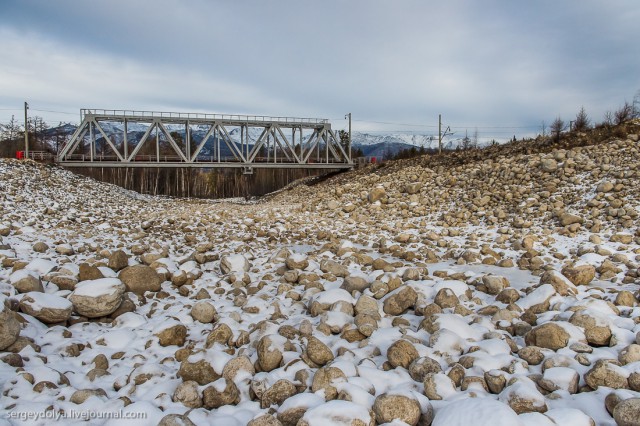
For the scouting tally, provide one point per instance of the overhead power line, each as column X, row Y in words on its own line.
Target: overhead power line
column 459, row 126
column 396, row 123
column 453, row 126
column 55, row 112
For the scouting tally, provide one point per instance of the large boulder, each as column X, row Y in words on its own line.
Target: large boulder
column 355, row 283
column 326, row 379
column 548, row 335
column 376, row 194
column 239, row 368
column 318, row 352
column 629, row 354
column 412, row 188
column 400, row 301
column 567, row 219
column 438, row 386
column 564, row 378
column 402, row 353
column 293, row 409
column 176, row 420
column 173, row 335
column 333, row 267
column 297, row 261
column 87, row 272
column 97, row 298
column 596, row 327
column 607, row 373
column 560, row 283
column 219, row 393
column 140, row 279
column 421, row 367
column 204, row 312
column 548, row 165
column 80, row 396
column 278, row 393
column 234, row 264
column 200, row 371
column 265, row 420
column 495, row 283
column 627, row 412
column 338, row 413
column 187, row 394
column 446, row 298
column 389, row 407
column 523, row 398
column 269, row 354
column 48, row 308
column 118, row 260
column 580, row 275
column 9, row 326
column 25, row 281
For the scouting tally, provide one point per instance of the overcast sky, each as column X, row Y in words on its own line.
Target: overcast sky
column 490, row 63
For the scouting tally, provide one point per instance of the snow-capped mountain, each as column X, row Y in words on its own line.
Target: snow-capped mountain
column 409, row 139
column 253, row 134
column 372, row 138
column 371, row 144
column 63, row 130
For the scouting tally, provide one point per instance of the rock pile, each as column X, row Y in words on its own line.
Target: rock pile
column 510, row 283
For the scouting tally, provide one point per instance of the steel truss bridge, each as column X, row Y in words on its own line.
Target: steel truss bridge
column 123, row 138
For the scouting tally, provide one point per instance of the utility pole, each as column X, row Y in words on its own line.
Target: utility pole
column 26, row 132
column 349, row 117
column 439, row 133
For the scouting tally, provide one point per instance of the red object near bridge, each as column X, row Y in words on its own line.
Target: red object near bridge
column 20, row 155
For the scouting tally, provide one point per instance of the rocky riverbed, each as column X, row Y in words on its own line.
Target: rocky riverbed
column 497, row 291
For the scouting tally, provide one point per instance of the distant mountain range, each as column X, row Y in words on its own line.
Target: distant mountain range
column 371, row 144
column 384, row 144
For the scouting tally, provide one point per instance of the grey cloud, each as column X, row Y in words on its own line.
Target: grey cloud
column 487, row 63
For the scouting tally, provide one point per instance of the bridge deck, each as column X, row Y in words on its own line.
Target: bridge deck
column 201, row 118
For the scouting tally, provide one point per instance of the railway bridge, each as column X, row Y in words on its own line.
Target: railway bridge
column 125, row 138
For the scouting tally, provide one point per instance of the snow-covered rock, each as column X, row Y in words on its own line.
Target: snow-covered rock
column 47, row 308
column 97, row 298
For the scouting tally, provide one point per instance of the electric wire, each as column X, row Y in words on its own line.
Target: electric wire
column 55, row 112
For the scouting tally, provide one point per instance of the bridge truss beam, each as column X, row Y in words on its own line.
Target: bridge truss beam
column 120, row 138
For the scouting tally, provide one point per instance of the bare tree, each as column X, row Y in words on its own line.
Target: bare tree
column 624, row 114
column 13, row 128
column 474, row 139
column 608, row 118
column 344, row 139
column 60, row 135
column 557, row 127
column 544, row 129
column 582, row 121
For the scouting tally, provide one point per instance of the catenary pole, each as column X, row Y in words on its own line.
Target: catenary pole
column 26, row 131
column 349, row 116
column 439, row 133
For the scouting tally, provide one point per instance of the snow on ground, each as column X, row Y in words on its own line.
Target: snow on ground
column 409, row 302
